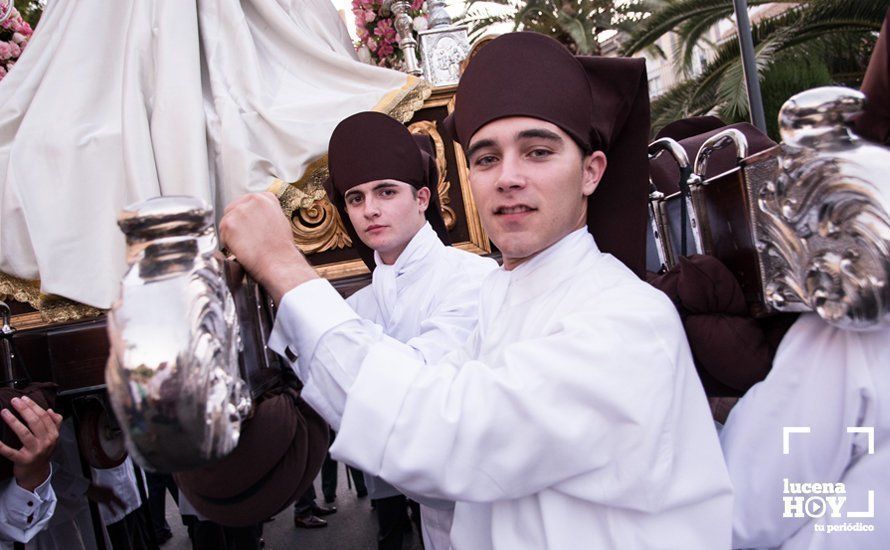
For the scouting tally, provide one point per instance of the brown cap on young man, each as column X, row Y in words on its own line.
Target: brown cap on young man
column 602, row 103
column 371, row 146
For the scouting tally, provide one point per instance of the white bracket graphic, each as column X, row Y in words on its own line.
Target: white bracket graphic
column 786, row 433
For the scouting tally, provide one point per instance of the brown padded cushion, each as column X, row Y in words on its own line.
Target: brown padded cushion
column 732, row 351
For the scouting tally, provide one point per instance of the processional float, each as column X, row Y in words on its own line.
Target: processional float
column 802, row 226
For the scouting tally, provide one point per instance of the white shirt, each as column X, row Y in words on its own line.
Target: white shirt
column 429, row 299
column 24, row 513
column 573, row 418
column 122, row 480
column 827, row 380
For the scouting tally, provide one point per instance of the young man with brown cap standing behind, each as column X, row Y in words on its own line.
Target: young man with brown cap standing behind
column 384, row 184
column 573, row 418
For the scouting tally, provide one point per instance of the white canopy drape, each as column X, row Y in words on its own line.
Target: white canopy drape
column 116, row 102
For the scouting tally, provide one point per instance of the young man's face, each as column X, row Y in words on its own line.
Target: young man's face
column 531, row 182
column 386, row 215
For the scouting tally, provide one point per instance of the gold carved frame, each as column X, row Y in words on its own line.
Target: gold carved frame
column 318, row 228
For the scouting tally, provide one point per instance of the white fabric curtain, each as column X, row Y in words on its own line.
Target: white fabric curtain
column 116, row 102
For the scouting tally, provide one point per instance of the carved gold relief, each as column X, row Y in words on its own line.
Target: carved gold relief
column 319, row 228
column 443, row 186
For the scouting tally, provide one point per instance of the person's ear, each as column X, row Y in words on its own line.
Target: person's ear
column 593, row 166
column 423, row 198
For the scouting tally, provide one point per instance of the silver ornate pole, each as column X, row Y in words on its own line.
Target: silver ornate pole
column 439, row 17
column 405, row 28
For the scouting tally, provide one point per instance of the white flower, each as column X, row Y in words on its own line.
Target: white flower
column 18, row 37
column 364, row 54
column 421, row 23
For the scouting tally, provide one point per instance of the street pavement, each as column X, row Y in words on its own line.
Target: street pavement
column 353, row 527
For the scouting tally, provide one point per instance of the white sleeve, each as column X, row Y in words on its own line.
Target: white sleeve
column 304, row 315
column 307, row 312
column 24, row 513
column 597, row 387
column 818, row 382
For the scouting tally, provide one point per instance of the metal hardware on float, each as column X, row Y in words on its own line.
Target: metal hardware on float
column 442, row 47
column 405, row 29
column 172, row 371
column 822, row 220
column 805, row 225
column 671, row 220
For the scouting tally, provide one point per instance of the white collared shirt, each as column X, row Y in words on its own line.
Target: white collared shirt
column 572, row 418
column 24, row 513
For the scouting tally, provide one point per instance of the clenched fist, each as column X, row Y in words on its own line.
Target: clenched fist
column 255, row 230
column 39, row 435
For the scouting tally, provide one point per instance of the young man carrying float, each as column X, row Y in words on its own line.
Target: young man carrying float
column 423, row 293
column 573, row 417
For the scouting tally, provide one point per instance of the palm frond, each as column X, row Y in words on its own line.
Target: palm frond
column 673, row 16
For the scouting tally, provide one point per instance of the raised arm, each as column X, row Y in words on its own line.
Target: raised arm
column 551, row 409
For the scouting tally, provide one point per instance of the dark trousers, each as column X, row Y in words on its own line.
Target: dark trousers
column 206, row 535
column 329, row 477
column 130, row 533
column 158, row 485
column 329, row 480
column 303, row 505
column 392, row 522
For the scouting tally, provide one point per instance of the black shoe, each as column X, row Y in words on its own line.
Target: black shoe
column 361, row 493
column 309, row 522
column 322, row 511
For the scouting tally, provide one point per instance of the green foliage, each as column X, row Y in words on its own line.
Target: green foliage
column 839, row 33
column 576, row 23
column 785, row 78
column 31, row 11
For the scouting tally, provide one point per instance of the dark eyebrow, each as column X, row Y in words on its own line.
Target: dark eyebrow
column 479, row 145
column 379, row 186
column 384, row 185
column 540, row 133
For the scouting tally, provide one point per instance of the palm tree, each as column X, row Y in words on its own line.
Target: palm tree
column 576, row 23
column 836, row 35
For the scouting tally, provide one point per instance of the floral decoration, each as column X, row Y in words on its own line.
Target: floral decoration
column 14, row 35
column 378, row 41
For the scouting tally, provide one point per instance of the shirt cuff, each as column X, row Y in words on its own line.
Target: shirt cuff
column 305, row 314
column 42, row 493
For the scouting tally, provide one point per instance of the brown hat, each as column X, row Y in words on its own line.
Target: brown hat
column 874, row 122
column 277, row 452
column 372, row 146
column 602, row 103
column 664, row 170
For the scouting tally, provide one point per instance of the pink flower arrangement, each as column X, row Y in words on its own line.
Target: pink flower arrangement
column 15, row 33
column 378, row 41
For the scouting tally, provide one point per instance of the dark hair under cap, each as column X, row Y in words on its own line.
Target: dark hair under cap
column 601, row 102
column 371, row 146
